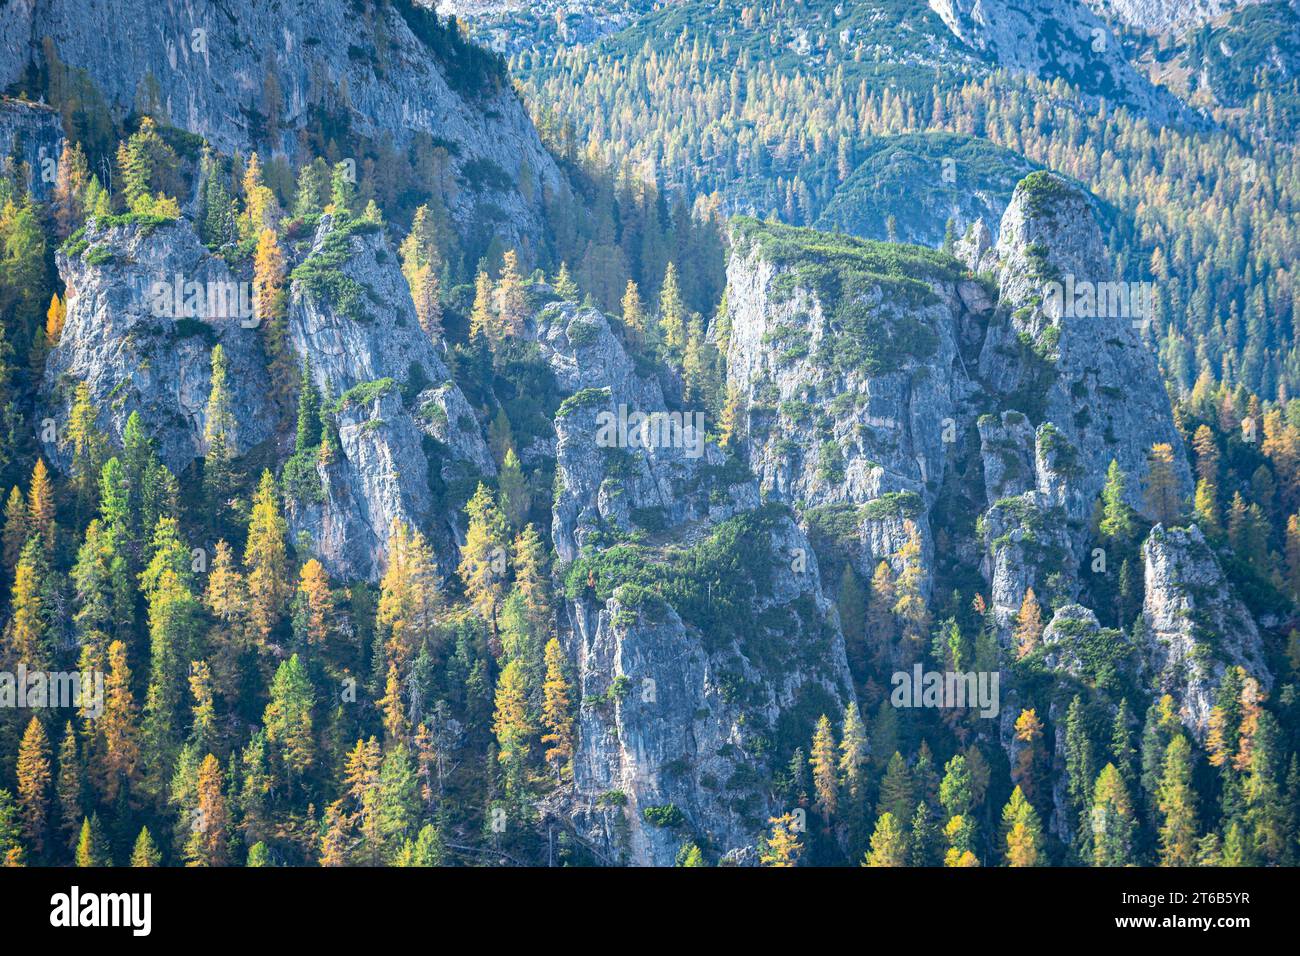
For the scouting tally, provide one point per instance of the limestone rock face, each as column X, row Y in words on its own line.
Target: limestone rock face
column 255, row 75
column 683, row 680
column 1195, row 626
column 1090, row 375
column 125, row 338
column 402, row 420
column 35, row 134
column 675, row 717
column 1060, row 38
column 828, row 426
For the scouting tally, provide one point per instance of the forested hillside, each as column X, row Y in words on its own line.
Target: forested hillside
column 405, row 484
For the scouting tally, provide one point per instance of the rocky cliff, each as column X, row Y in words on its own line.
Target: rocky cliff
column 696, row 618
column 402, row 421
column 258, row 76
column 133, row 338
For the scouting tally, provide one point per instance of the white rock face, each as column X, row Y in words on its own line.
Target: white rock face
column 134, row 360
column 1164, row 16
column 820, row 435
column 1197, row 627
column 676, row 716
column 394, row 390
column 35, row 133
column 209, row 68
column 1056, row 38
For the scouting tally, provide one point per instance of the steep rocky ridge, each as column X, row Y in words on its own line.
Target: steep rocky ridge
column 254, row 76
column 695, row 617
column 402, row 420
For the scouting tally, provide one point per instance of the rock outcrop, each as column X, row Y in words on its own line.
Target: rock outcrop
column 695, row 615
column 34, row 134
column 255, row 78
column 1195, row 626
column 403, row 423
column 129, row 337
column 1060, row 38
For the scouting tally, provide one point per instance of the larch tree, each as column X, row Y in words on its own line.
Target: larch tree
column 1161, row 492
column 1177, row 802
column 26, row 636
column 557, row 711
column 146, row 852
column 528, row 557
column 266, row 558
column 512, row 727
column 889, row 843
column 40, row 505
column 218, row 429
column 512, row 301
column 118, row 750
column 1024, row 831
column 482, row 319
column 314, row 605
column 482, row 559
column 822, row 760
column 209, row 819
column 1029, row 626
column 34, row 777
column 17, row 527
column 781, row 847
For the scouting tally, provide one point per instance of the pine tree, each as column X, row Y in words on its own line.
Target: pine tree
column 34, row 778
column 70, row 790
column 92, row 848
column 343, row 189
column 897, row 794
column 565, row 287
column 515, row 499
column 1029, row 734
column 288, row 720
column 313, row 183
column 1117, row 522
column 1112, row 823
column 672, row 317
column 853, row 750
